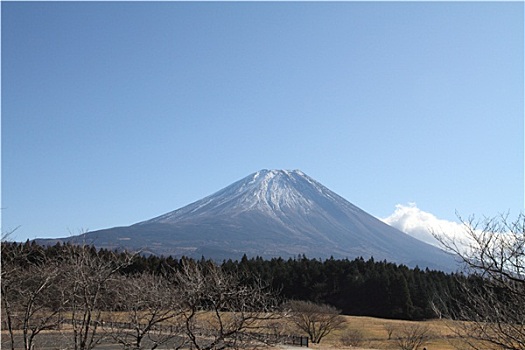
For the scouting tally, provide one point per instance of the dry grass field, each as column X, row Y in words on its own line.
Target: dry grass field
column 359, row 333
column 373, row 333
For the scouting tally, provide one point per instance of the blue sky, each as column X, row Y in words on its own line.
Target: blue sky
column 113, row 113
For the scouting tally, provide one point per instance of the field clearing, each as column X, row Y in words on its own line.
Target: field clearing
column 376, row 336
column 371, row 334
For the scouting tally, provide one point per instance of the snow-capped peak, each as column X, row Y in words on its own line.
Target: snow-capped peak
column 268, row 191
column 276, row 212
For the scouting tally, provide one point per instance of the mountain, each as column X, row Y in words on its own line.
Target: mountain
column 270, row 213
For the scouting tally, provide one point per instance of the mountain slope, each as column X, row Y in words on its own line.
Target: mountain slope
column 272, row 213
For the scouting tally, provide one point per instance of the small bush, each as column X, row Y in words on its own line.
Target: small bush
column 412, row 337
column 352, row 338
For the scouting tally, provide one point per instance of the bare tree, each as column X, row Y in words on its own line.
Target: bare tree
column 412, row 336
column 218, row 311
column 389, row 328
column 493, row 294
column 9, row 271
column 85, row 297
column 29, row 282
column 149, row 309
column 317, row 320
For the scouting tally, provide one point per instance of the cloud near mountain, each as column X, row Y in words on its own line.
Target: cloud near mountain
column 421, row 224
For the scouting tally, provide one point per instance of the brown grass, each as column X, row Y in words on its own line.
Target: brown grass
column 375, row 335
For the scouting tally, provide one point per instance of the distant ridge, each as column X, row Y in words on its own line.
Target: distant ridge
column 271, row 213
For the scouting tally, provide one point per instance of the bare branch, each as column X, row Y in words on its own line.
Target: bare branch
column 317, row 320
column 218, row 311
column 493, row 294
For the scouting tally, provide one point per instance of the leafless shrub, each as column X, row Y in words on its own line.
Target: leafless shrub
column 317, row 320
column 413, row 336
column 352, row 337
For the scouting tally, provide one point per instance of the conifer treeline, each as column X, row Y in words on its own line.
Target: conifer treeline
column 356, row 287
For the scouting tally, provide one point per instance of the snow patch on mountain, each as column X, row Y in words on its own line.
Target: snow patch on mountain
column 273, row 213
column 269, row 191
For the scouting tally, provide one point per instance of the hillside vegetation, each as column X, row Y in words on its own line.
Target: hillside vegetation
column 356, row 287
column 143, row 302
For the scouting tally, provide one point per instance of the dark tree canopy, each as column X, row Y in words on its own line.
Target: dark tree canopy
column 356, row 287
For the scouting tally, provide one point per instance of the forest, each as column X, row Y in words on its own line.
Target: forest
column 356, row 287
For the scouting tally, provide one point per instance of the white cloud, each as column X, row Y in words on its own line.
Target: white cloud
column 420, row 224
